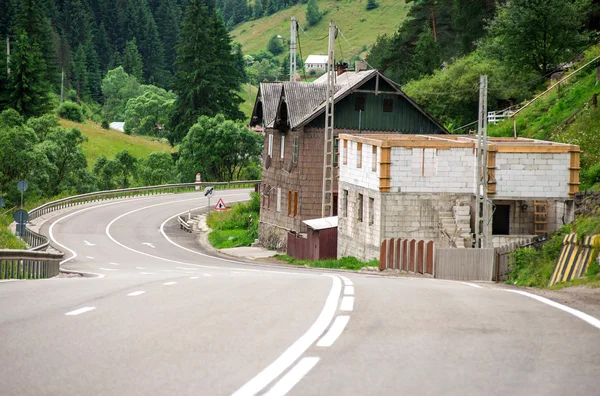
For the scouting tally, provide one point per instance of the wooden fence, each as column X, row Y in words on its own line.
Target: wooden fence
column 413, row 255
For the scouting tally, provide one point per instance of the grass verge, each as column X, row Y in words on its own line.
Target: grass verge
column 232, row 228
column 347, row 263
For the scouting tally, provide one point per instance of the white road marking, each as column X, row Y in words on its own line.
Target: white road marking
column 108, row 269
column 288, row 381
column 187, row 269
column 194, row 277
column 167, row 270
column 169, row 283
column 140, row 268
column 347, row 281
column 148, row 244
column 581, row 315
column 471, row 284
column 347, row 303
column 349, row 290
column 297, row 349
column 334, row 331
column 206, row 274
column 136, row 293
column 113, row 263
column 89, row 244
column 89, row 257
column 147, row 273
column 80, row 311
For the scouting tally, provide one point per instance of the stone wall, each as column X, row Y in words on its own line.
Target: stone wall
column 587, row 203
column 531, row 175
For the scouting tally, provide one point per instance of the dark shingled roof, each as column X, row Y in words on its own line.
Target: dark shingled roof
column 270, row 94
column 302, row 99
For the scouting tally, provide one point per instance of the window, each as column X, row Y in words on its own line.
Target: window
column 359, row 155
column 295, row 203
column 336, row 152
column 295, row 152
column 345, row 152
column 360, row 207
column 371, row 211
column 388, row 105
column 359, row 103
column 270, row 147
column 282, row 145
column 289, row 203
column 278, row 199
column 345, row 203
column 374, row 159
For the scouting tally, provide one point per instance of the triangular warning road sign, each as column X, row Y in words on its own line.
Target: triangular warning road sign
column 220, row 205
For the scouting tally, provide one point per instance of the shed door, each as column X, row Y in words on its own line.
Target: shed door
column 501, row 220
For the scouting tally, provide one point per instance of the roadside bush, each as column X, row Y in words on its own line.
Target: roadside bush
column 237, row 230
column 105, row 124
column 71, row 111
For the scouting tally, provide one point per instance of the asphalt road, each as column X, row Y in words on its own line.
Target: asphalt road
column 162, row 318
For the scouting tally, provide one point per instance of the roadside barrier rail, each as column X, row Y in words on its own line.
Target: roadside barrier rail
column 27, row 264
column 36, row 241
column 184, row 225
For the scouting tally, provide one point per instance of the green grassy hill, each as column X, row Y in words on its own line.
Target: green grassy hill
column 360, row 27
column 248, row 93
column 110, row 142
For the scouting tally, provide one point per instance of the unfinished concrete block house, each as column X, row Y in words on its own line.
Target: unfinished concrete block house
column 293, row 118
column 423, row 187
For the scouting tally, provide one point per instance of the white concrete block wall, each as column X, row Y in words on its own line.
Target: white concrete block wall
column 432, row 170
column 363, row 176
column 532, row 175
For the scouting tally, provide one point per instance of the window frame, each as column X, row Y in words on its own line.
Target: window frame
column 360, row 212
column 296, row 149
column 270, row 145
column 388, row 105
column 360, row 102
column 374, row 159
column 282, row 146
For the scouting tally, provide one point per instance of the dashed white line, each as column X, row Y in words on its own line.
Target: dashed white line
column 194, row 277
column 288, row 381
column 349, row 290
column 581, row 315
column 148, row 244
column 140, row 268
column 187, row 269
column 347, row 281
column 297, row 349
column 167, row 270
column 109, row 269
column 136, row 293
column 206, row 274
column 89, row 244
column 113, row 264
column 169, row 283
column 89, row 257
column 347, row 303
column 334, row 331
column 147, row 273
column 80, row 311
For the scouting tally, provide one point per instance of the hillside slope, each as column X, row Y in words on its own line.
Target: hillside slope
column 360, row 27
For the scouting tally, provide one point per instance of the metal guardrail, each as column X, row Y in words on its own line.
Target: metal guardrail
column 184, row 224
column 27, row 264
column 36, row 241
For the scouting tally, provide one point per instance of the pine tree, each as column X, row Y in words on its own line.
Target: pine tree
column 372, row 4
column 258, row 9
column 9, row 9
column 206, row 79
column 313, row 15
column 132, row 60
column 168, row 18
column 270, row 7
column 94, row 73
column 80, row 75
column 4, row 82
column 30, row 91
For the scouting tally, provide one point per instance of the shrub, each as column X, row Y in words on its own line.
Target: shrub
column 372, row 4
column 71, row 111
column 105, row 124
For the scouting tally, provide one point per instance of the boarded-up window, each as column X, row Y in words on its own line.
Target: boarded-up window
column 345, row 152
column 359, row 155
column 336, row 151
column 296, row 150
column 289, row 203
column 295, row 203
column 374, row 159
column 359, row 103
column 360, row 207
column 371, row 211
column 388, row 105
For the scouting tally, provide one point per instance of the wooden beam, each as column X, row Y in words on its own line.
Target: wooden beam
column 532, row 149
column 385, row 164
column 375, row 92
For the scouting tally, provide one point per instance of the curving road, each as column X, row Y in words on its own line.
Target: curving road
column 157, row 316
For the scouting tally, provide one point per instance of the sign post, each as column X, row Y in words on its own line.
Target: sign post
column 220, row 206
column 22, row 186
column 198, row 180
column 209, row 192
column 21, row 216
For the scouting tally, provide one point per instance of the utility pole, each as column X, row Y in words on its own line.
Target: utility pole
column 293, row 34
column 481, row 211
column 327, row 199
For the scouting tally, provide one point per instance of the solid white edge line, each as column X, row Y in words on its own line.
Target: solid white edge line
column 334, row 331
column 136, row 293
column 347, row 281
column 295, row 375
column 349, row 290
column 287, row 358
column 471, row 284
column 581, row 315
column 347, row 303
column 80, row 311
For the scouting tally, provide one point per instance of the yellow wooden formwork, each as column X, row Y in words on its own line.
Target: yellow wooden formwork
column 574, row 258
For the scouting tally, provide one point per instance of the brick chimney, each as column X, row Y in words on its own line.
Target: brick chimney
column 342, row 67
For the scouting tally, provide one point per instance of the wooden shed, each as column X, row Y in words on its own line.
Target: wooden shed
column 320, row 242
